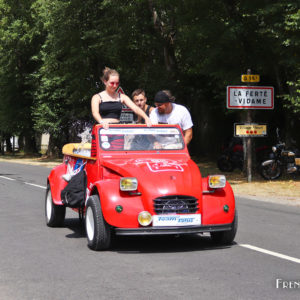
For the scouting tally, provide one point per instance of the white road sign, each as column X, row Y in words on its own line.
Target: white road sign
column 250, row 97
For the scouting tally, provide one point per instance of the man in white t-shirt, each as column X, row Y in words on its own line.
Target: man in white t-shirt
column 167, row 112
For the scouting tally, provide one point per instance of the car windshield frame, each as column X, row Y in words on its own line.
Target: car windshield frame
column 131, row 139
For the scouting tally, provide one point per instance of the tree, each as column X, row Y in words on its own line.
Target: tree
column 18, row 43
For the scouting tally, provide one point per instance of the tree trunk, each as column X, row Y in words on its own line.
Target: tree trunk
column 168, row 36
column 21, row 142
column 8, row 144
column 30, row 144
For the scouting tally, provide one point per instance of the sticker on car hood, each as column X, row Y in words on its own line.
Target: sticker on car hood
column 160, row 165
column 176, row 220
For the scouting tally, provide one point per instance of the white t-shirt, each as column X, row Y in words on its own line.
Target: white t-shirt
column 179, row 115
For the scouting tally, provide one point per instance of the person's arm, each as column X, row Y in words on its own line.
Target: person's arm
column 136, row 109
column 150, row 109
column 95, row 111
column 187, row 125
column 188, row 135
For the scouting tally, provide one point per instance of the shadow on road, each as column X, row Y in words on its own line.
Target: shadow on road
column 149, row 244
column 164, row 244
column 76, row 226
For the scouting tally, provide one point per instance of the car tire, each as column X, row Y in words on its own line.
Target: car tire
column 55, row 214
column 97, row 230
column 226, row 237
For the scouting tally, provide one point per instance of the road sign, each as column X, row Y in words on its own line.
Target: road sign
column 250, row 97
column 127, row 115
column 250, row 78
column 250, row 130
column 120, row 90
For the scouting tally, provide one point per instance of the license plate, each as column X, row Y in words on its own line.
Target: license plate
column 176, row 220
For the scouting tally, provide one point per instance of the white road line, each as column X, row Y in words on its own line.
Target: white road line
column 4, row 177
column 36, row 185
column 42, row 187
column 293, row 259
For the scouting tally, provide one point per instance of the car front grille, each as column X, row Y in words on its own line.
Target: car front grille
column 175, row 204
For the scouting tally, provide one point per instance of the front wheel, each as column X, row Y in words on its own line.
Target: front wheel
column 97, row 230
column 226, row 237
column 271, row 170
column 55, row 214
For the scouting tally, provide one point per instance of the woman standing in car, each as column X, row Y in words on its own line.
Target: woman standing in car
column 107, row 105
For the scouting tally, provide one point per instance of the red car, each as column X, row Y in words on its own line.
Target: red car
column 138, row 180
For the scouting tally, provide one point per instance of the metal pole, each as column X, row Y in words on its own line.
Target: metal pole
column 249, row 143
column 13, row 147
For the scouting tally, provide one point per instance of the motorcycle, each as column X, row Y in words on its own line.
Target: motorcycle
column 280, row 160
column 232, row 156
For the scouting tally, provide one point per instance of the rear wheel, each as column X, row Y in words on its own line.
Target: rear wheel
column 271, row 171
column 97, row 230
column 226, row 237
column 55, row 214
column 225, row 164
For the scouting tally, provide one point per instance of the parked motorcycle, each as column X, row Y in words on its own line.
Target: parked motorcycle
column 232, row 156
column 280, row 160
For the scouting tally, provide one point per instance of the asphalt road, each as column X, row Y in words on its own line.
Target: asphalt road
column 38, row 262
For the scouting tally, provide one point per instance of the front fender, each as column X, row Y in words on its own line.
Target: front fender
column 213, row 204
column 111, row 196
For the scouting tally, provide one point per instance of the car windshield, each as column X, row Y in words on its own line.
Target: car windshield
column 140, row 138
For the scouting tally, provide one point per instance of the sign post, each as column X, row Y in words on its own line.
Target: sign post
column 250, row 97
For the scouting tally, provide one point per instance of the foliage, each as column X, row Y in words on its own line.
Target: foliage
column 52, row 54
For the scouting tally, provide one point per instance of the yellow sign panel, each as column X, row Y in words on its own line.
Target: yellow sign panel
column 246, row 130
column 250, row 78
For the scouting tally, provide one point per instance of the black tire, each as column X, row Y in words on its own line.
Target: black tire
column 98, row 232
column 271, row 171
column 54, row 214
column 224, row 164
column 226, row 237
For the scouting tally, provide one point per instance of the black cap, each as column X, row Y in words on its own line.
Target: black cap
column 161, row 97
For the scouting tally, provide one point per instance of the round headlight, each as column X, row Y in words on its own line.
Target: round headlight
column 274, row 149
column 144, row 218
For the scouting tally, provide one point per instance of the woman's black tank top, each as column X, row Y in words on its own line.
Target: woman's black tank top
column 110, row 109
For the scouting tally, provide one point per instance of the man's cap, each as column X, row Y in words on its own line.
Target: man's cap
column 161, row 97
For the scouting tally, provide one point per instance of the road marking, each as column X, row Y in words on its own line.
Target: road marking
column 36, row 185
column 42, row 187
column 4, row 177
column 293, row 259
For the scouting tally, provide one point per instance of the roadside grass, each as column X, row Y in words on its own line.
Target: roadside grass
column 40, row 160
column 287, row 186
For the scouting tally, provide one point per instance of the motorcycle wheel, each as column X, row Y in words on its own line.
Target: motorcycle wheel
column 224, row 164
column 271, row 171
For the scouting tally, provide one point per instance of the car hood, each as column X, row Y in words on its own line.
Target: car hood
column 160, row 176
